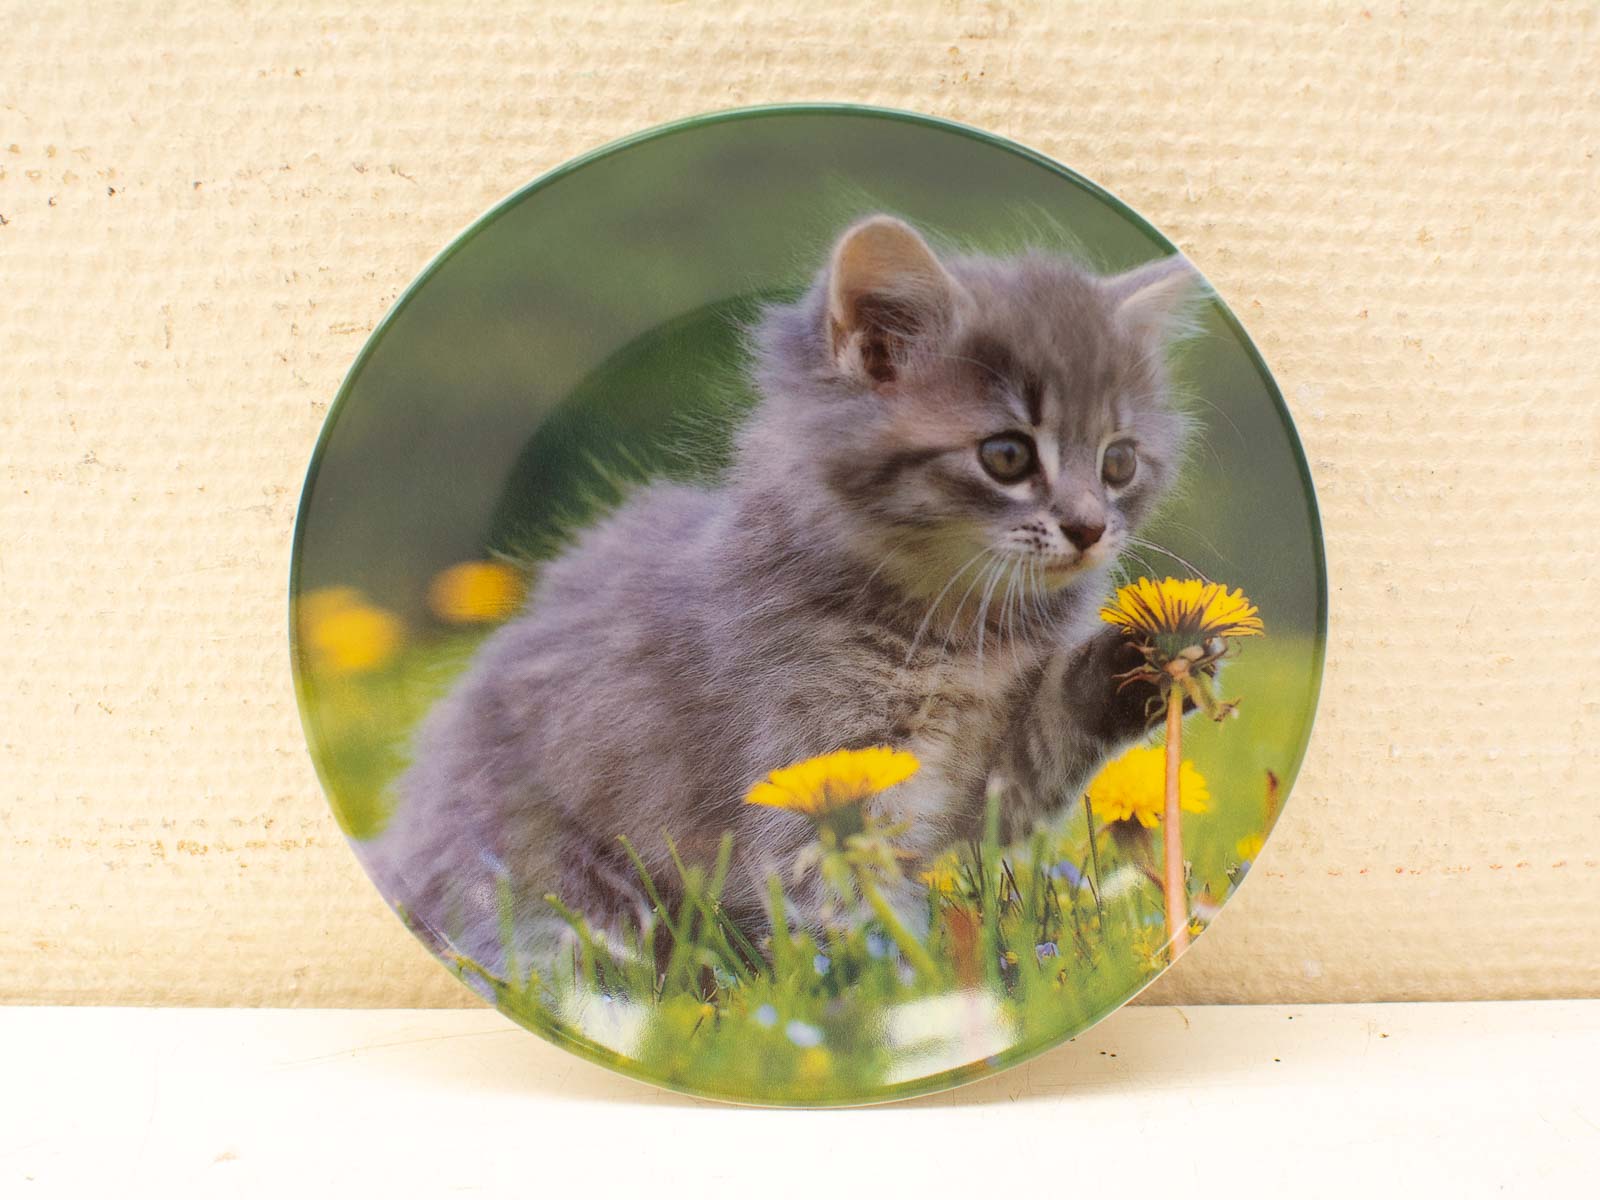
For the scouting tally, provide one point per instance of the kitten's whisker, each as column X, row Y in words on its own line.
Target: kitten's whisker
column 1036, row 593
column 983, row 608
column 1028, row 599
column 1148, row 569
column 922, row 627
column 1043, row 600
column 1025, row 610
column 980, row 586
column 1022, row 576
column 882, row 563
column 1032, row 592
column 1030, row 615
column 955, row 617
column 1004, row 636
column 1206, row 543
column 1157, row 547
column 1016, row 602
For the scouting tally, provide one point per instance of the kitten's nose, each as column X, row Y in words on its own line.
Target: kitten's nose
column 1083, row 534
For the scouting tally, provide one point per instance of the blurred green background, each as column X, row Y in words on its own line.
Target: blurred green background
column 589, row 327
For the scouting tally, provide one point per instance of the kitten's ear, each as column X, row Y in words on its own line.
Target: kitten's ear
column 885, row 288
column 1156, row 300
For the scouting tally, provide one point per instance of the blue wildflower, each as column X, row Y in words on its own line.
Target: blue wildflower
column 1068, row 870
column 821, row 963
column 766, row 1016
column 1045, row 950
column 877, row 944
column 803, row 1035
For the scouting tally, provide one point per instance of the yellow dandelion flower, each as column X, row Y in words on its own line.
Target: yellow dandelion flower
column 1248, row 847
column 1133, row 788
column 819, row 786
column 475, row 592
column 1189, row 609
column 345, row 635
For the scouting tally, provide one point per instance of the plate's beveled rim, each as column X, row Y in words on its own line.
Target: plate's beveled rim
column 1023, row 1051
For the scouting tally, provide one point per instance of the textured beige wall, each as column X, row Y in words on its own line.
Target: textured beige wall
column 206, row 211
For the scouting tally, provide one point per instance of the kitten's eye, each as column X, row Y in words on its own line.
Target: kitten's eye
column 1007, row 456
column 1120, row 462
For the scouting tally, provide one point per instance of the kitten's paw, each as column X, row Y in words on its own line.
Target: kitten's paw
column 1106, row 679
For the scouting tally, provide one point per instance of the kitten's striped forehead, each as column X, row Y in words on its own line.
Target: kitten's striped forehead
column 1063, row 390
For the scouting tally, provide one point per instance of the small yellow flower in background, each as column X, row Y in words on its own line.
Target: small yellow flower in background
column 1148, row 950
column 1132, row 787
column 815, row 1065
column 1249, row 847
column 475, row 592
column 943, row 876
column 708, row 1012
column 317, row 605
column 1188, row 608
column 819, row 786
column 344, row 634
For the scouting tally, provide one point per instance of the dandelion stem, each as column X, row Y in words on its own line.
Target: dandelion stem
column 1172, row 841
column 914, row 951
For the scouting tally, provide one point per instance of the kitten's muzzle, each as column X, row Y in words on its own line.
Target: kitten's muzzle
column 1058, row 568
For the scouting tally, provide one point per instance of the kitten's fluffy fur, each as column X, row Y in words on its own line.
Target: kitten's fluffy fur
column 859, row 578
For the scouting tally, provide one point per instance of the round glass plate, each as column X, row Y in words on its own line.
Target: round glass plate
column 808, row 605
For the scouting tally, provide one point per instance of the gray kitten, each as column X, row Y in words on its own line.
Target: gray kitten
column 909, row 549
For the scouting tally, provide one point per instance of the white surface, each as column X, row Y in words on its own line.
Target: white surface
column 1456, row 1099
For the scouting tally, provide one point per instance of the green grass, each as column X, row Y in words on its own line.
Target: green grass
column 1036, row 941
